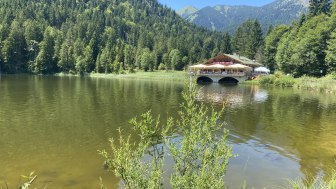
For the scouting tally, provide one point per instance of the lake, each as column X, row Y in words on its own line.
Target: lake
column 55, row 125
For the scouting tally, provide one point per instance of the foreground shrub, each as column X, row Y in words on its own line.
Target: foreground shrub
column 197, row 144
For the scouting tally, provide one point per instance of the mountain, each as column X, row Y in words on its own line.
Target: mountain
column 187, row 11
column 228, row 18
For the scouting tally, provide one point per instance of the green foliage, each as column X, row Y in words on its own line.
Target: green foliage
column 331, row 53
column 14, row 49
column 91, row 36
column 318, row 183
column 175, row 59
column 271, row 44
column 127, row 159
column 278, row 80
column 198, row 147
column 200, row 156
column 44, row 62
column 248, row 39
column 317, row 7
column 146, row 60
column 332, row 75
column 162, row 66
column 308, row 54
column 325, row 84
column 166, row 61
column 304, row 48
column 267, row 80
column 126, row 162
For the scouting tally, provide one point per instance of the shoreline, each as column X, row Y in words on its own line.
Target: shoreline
column 156, row 75
column 326, row 84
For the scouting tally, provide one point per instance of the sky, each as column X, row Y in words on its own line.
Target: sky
column 178, row 4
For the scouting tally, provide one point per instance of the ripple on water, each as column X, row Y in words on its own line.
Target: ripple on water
column 55, row 125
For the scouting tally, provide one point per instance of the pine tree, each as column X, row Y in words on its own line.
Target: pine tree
column 67, row 60
column 88, row 59
column 146, row 60
column 248, row 39
column 44, row 61
column 317, row 7
column 115, row 30
column 175, row 59
column 14, row 49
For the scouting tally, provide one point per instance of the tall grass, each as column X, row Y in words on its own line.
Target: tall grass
column 278, row 80
column 325, row 84
column 318, row 183
column 155, row 75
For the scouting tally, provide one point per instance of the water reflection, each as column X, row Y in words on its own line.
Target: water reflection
column 278, row 133
column 55, row 125
column 233, row 95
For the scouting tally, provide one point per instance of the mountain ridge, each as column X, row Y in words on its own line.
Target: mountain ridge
column 187, row 10
column 228, row 18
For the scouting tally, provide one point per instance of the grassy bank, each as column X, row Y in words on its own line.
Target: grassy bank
column 325, row 84
column 155, row 75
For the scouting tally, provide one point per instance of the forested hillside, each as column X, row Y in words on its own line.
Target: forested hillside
column 306, row 47
column 78, row 36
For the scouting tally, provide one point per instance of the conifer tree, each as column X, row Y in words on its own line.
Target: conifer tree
column 248, row 39
column 44, row 61
column 317, row 7
column 14, row 49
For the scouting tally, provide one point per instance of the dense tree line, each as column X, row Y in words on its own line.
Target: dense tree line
column 307, row 46
column 77, row 36
column 114, row 36
column 248, row 39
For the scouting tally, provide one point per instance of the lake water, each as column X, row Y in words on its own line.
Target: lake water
column 55, row 125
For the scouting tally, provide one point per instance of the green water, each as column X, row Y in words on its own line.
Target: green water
column 55, row 125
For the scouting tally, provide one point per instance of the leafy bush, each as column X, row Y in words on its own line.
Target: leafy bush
column 285, row 81
column 331, row 76
column 198, row 147
column 162, row 66
column 278, row 80
column 267, row 80
column 278, row 74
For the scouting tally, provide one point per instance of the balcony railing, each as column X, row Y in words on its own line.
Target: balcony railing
column 205, row 73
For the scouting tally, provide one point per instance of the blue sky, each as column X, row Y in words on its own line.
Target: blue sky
column 178, row 4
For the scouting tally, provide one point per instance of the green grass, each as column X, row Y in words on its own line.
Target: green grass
column 155, row 75
column 281, row 81
column 325, row 84
column 318, row 183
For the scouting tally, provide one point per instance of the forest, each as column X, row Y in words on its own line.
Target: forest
column 103, row 36
column 307, row 47
column 121, row 36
